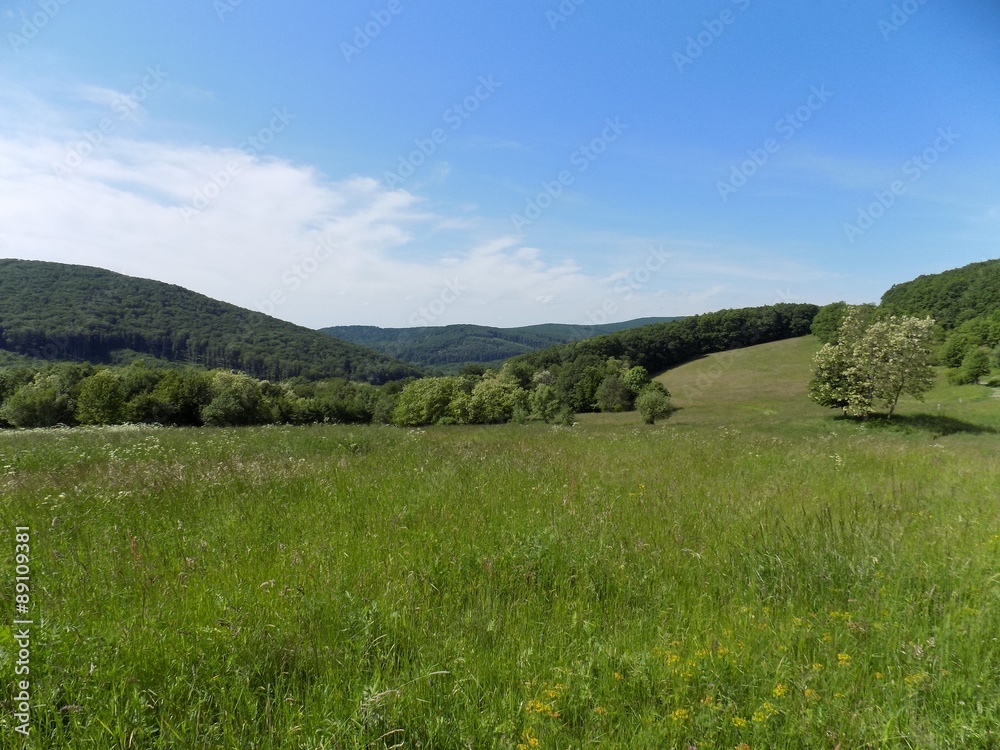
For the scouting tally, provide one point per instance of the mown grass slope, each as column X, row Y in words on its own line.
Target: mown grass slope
column 730, row 576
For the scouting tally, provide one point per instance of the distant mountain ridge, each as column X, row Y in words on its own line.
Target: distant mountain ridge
column 452, row 346
column 57, row 311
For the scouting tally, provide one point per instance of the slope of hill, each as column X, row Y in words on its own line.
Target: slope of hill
column 764, row 389
column 55, row 311
column 952, row 297
column 452, row 346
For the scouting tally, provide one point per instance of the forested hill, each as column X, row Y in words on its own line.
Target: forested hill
column 455, row 345
column 55, row 311
column 663, row 345
column 952, row 297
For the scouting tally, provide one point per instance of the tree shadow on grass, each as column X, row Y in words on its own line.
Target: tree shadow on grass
column 935, row 424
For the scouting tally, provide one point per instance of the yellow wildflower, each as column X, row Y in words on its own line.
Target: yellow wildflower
column 779, row 690
column 765, row 712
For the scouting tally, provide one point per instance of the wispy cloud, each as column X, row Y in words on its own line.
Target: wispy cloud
column 121, row 207
column 319, row 250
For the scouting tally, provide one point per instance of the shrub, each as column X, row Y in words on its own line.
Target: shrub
column 613, row 394
column 654, row 403
column 495, row 398
column 236, row 401
column 178, row 398
column 977, row 364
column 636, row 379
column 826, row 325
column 101, row 400
column 40, row 403
column 544, row 403
column 426, row 401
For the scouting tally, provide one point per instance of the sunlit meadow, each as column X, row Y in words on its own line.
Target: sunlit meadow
column 751, row 573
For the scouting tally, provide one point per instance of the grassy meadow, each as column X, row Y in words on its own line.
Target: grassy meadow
column 753, row 572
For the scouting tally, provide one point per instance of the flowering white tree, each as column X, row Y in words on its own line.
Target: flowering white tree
column 874, row 363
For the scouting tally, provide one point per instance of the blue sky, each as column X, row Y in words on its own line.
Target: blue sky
column 399, row 163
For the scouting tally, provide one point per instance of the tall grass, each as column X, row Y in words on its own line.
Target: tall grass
column 608, row 586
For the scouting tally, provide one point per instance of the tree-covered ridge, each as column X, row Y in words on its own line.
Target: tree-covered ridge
column 952, row 297
column 59, row 312
column 452, row 346
column 662, row 345
column 966, row 303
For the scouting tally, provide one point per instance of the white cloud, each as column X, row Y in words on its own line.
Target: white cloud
column 125, row 204
column 280, row 236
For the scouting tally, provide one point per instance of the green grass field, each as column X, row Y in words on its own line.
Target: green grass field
column 753, row 572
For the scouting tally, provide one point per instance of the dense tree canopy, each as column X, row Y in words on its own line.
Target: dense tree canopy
column 952, row 297
column 452, row 347
column 58, row 312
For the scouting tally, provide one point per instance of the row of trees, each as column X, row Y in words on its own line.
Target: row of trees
column 71, row 394
column 87, row 395
column 514, row 395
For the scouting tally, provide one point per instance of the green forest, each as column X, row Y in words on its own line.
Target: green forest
column 610, row 373
column 58, row 312
column 451, row 347
column 966, row 303
column 87, row 346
